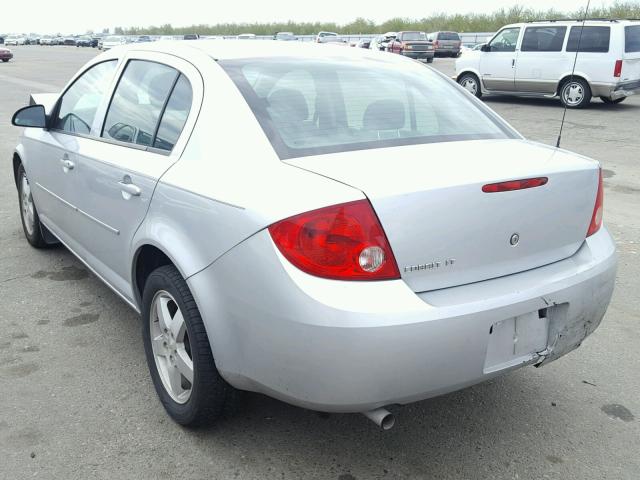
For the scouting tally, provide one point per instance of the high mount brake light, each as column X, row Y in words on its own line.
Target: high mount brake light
column 341, row 242
column 514, row 185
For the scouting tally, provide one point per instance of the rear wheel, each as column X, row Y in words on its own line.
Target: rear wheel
column 471, row 83
column 430, row 60
column 178, row 352
column 575, row 93
column 5, row 60
column 608, row 101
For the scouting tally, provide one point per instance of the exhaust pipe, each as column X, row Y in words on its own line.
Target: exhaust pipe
column 381, row 417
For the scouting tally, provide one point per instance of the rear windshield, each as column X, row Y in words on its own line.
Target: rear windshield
column 414, row 36
column 448, row 36
column 312, row 107
column 632, row 38
column 594, row 39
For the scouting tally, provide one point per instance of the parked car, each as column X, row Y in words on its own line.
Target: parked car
column 323, row 37
column 537, row 59
column 47, row 40
column 1, row 40
column 363, row 43
column 15, row 40
column 246, row 36
column 381, row 42
column 447, row 44
column 191, row 36
column 84, row 41
column 334, row 40
column 5, row 54
column 59, row 40
column 32, row 40
column 69, row 41
column 285, row 36
column 95, row 41
column 112, row 41
column 316, row 279
column 143, row 39
column 413, row 45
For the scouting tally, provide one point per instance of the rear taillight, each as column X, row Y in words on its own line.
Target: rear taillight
column 342, row 242
column 617, row 69
column 596, row 218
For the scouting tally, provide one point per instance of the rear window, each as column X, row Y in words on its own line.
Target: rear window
column 594, row 39
column 312, row 107
column 632, row 38
column 448, row 36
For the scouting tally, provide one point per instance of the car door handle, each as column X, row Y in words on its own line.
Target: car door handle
column 130, row 188
column 67, row 164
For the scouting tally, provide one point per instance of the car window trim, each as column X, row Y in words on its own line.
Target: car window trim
column 56, row 109
column 113, row 94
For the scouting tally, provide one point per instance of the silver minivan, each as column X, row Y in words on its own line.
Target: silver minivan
column 536, row 59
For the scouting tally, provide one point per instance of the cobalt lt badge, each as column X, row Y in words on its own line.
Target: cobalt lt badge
column 515, row 238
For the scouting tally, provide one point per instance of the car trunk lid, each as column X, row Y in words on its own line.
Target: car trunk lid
column 445, row 230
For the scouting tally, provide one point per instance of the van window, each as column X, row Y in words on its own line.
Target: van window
column 632, row 38
column 138, row 102
column 448, row 36
column 505, row 40
column 594, row 39
column 543, row 39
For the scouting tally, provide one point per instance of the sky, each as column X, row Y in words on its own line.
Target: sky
column 79, row 16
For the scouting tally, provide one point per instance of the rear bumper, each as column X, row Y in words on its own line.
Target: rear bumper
column 6, row 56
column 354, row 346
column 616, row 90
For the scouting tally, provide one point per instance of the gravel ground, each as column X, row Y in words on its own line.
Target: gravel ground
column 76, row 401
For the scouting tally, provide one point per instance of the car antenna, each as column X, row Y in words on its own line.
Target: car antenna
column 573, row 70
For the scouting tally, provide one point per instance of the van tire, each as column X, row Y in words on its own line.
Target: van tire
column 468, row 81
column 575, row 93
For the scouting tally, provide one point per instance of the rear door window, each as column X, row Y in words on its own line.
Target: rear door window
column 593, row 40
column 632, row 38
column 175, row 115
column 138, row 102
column 543, row 39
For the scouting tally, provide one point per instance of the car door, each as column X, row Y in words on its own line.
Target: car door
column 498, row 59
column 52, row 164
column 146, row 123
column 541, row 61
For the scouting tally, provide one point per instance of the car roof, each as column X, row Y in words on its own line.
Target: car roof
column 576, row 22
column 238, row 49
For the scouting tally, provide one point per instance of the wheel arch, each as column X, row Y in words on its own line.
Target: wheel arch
column 568, row 76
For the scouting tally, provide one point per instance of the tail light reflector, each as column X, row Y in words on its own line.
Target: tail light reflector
column 617, row 69
column 514, row 185
column 341, row 242
column 596, row 218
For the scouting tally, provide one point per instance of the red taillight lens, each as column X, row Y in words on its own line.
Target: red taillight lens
column 596, row 218
column 342, row 242
column 617, row 70
column 514, row 185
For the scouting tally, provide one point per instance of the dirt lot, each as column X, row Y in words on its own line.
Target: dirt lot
column 76, row 401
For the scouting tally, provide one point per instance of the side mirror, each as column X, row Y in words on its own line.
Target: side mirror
column 486, row 47
column 31, row 116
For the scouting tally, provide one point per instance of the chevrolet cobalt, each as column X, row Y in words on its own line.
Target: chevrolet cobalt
column 341, row 229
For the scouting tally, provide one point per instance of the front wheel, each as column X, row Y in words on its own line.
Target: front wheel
column 28, row 213
column 575, row 93
column 471, row 83
column 608, row 101
column 178, row 352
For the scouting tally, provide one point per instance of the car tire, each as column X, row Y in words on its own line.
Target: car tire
column 33, row 229
column 173, row 328
column 575, row 93
column 471, row 83
column 430, row 60
column 5, row 60
column 608, row 101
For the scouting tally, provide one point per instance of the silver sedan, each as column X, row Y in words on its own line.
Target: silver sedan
column 341, row 229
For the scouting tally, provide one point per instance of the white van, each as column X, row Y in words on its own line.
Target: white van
column 536, row 59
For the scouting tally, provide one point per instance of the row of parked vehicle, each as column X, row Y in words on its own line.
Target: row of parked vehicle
column 77, row 41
